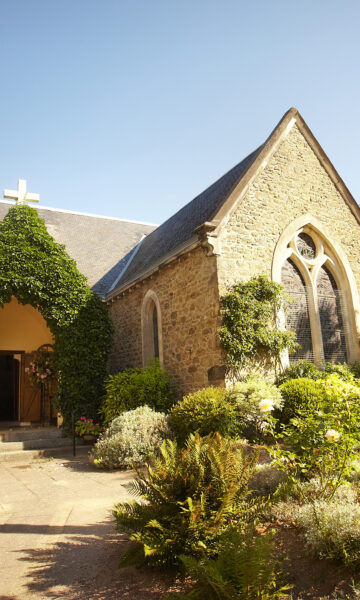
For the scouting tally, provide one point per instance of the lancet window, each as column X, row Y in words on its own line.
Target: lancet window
column 151, row 328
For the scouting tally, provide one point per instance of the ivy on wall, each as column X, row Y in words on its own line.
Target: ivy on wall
column 249, row 333
column 38, row 271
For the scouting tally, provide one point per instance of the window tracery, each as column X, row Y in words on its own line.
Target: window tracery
column 319, row 313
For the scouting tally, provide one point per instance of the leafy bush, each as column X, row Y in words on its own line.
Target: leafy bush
column 344, row 371
column 191, row 495
column 130, row 439
column 137, row 387
column 355, row 369
column 244, row 569
column 332, row 530
column 206, row 411
column 266, row 479
column 298, row 393
column 323, row 438
column 304, row 368
column 254, row 397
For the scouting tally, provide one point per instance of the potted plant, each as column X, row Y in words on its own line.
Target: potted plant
column 88, row 430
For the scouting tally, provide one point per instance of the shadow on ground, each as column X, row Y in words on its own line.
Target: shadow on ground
column 86, row 568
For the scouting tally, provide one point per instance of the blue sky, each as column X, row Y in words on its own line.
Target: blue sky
column 130, row 108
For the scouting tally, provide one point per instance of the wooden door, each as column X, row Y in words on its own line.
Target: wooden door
column 29, row 394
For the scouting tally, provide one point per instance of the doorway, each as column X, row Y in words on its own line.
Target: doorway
column 9, row 387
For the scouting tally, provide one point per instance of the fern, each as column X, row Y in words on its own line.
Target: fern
column 187, row 497
column 245, row 569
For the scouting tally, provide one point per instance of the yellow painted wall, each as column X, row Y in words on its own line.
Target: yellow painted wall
column 22, row 328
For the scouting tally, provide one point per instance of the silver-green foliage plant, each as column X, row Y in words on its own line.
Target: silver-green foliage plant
column 245, row 568
column 332, row 529
column 130, row 439
column 185, row 499
column 255, row 398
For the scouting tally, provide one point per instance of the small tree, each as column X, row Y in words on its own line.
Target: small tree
column 249, row 331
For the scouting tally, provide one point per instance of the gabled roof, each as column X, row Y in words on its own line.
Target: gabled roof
column 96, row 243
column 217, row 201
column 179, row 229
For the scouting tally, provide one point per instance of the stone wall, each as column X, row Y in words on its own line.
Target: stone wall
column 292, row 184
column 187, row 290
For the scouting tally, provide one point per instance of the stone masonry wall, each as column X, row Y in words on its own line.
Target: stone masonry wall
column 292, row 184
column 187, row 290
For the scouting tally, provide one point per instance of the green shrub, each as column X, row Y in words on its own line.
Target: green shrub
column 186, row 499
column 304, row 368
column 266, row 479
column 323, row 438
column 255, row 398
column 355, row 369
column 132, row 388
column 298, row 393
column 344, row 371
column 244, row 569
column 332, row 530
column 206, row 411
column 130, row 439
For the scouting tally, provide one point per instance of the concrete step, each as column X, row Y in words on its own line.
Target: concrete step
column 25, row 456
column 35, row 444
column 34, row 433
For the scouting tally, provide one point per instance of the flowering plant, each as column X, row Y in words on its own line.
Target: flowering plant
column 322, row 438
column 86, row 426
column 41, row 368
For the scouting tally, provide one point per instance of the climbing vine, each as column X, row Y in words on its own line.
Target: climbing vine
column 249, row 333
column 37, row 270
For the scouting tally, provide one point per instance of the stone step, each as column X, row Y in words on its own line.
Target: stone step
column 25, row 456
column 18, row 434
column 35, row 444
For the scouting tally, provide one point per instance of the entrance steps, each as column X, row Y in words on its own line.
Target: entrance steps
column 28, row 443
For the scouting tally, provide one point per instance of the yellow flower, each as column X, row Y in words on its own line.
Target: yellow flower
column 332, row 435
column 266, row 405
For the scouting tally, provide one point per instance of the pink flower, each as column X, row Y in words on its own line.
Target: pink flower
column 43, row 376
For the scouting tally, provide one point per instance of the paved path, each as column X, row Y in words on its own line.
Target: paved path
column 56, row 528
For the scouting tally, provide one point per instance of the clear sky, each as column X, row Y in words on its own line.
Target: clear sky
column 130, row 108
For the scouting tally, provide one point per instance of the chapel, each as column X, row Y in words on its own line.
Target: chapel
column 283, row 211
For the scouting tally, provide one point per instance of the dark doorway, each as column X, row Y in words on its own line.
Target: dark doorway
column 9, row 387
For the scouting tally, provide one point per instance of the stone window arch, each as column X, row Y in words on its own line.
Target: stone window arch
column 151, row 328
column 316, row 273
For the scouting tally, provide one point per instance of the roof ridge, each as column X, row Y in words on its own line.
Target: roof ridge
column 75, row 212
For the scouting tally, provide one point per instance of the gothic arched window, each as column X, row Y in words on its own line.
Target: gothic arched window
column 298, row 311
column 151, row 328
column 320, row 313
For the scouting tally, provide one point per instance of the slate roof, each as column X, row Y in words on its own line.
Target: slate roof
column 96, row 243
column 179, row 229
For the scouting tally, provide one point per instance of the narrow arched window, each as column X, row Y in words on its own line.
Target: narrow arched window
column 155, row 332
column 151, row 328
column 331, row 317
column 297, row 316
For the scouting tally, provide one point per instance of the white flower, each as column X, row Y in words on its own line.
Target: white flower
column 332, row 435
column 266, row 405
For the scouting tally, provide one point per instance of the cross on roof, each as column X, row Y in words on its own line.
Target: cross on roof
column 21, row 195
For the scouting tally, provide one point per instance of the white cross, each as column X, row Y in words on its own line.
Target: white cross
column 21, row 195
